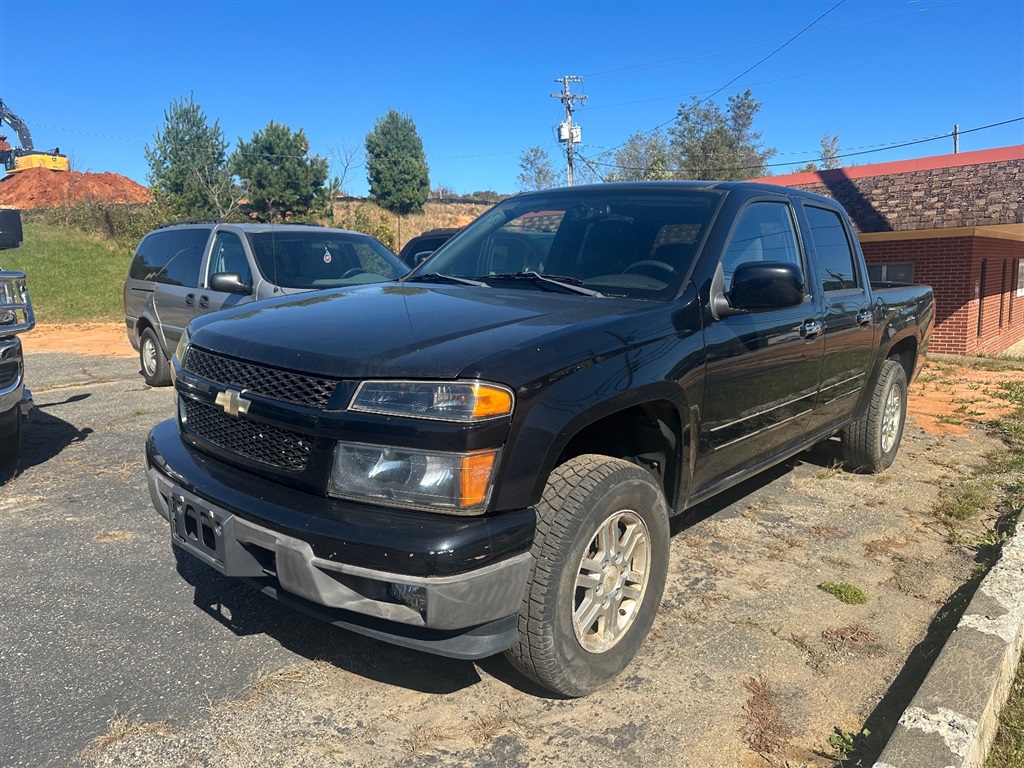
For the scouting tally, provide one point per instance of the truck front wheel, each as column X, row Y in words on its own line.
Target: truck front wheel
column 870, row 444
column 600, row 559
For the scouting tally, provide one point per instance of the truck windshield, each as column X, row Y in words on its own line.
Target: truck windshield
column 609, row 241
column 325, row 259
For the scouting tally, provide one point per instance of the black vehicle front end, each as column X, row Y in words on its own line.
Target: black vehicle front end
column 16, row 316
column 402, row 548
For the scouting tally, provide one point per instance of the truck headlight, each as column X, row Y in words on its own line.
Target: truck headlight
column 440, row 400
column 456, row 483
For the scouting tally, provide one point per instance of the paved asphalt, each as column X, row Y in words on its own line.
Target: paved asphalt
column 98, row 617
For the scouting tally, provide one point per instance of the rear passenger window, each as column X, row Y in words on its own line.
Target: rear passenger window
column 172, row 256
column 764, row 232
column 835, row 256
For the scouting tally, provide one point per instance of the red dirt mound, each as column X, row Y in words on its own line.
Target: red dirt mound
column 43, row 188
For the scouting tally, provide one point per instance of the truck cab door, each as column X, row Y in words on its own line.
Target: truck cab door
column 849, row 330
column 763, row 367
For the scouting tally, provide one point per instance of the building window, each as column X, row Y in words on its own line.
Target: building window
column 891, row 273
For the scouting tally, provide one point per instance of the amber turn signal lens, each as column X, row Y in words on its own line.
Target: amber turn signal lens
column 475, row 478
column 491, row 401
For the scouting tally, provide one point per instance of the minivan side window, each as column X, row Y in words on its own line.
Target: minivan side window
column 172, row 256
column 835, row 256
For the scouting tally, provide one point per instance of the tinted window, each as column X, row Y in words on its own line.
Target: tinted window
column 835, row 256
column 764, row 232
column 170, row 256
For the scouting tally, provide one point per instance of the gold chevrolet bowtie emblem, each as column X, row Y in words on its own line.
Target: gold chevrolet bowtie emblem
column 232, row 402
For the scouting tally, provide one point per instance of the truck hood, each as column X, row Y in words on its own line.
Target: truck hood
column 393, row 330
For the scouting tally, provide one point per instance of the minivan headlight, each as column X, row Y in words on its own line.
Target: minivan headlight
column 440, row 400
column 456, row 483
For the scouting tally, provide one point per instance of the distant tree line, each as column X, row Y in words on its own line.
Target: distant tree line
column 272, row 176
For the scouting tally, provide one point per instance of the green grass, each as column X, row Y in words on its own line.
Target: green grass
column 1008, row 748
column 844, row 592
column 72, row 276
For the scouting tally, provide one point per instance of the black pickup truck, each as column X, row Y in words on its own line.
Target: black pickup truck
column 484, row 455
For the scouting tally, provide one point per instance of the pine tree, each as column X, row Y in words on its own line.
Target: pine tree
column 396, row 166
column 281, row 179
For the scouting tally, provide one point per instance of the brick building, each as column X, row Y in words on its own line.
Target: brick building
column 955, row 222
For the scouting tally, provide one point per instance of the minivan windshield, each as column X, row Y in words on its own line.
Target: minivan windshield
column 608, row 241
column 322, row 259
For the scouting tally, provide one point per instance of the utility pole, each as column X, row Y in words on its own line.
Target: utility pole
column 956, row 138
column 567, row 132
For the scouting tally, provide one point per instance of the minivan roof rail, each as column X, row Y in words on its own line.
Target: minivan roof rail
column 191, row 221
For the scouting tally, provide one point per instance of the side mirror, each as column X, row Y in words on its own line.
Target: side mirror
column 229, row 282
column 420, row 257
column 10, row 228
column 758, row 285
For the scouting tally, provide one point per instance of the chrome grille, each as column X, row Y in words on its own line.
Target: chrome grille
column 275, row 447
column 297, row 388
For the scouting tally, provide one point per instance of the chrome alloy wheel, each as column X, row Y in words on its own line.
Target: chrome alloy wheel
column 892, row 413
column 149, row 356
column 611, row 581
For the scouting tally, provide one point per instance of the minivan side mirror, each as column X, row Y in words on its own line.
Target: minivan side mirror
column 420, row 257
column 759, row 285
column 229, row 282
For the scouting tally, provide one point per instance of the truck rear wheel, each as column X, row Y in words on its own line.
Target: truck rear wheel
column 870, row 444
column 600, row 559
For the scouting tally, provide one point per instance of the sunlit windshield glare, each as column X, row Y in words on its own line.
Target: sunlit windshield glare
column 323, row 259
column 637, row 244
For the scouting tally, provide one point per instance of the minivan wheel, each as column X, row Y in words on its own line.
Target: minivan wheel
column 155, row 367
column 600, row 560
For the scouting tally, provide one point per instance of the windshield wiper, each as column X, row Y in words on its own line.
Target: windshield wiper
column 437, row 277
column 570, row 284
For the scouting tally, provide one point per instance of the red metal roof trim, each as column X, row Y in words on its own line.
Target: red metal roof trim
column 936, row 162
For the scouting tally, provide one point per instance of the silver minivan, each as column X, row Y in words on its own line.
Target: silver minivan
column 180, row 271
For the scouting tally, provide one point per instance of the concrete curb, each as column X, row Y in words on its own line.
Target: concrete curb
column 953, row 717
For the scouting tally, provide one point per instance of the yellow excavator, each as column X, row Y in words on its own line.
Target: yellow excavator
column 25, row 157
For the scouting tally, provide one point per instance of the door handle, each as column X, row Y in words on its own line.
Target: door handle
column 204, row 302
column 864, row 317
column 190, row 300
column 810, row 329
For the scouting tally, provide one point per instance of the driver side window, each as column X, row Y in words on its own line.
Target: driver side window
column 229, row 256
column 764, row 232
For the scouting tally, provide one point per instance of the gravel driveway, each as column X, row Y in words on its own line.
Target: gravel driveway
column 117, row 652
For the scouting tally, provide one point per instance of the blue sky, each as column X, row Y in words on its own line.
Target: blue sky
column 94, row 78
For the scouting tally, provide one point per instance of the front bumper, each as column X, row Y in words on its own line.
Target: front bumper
column 12, row 375
column 449, row 585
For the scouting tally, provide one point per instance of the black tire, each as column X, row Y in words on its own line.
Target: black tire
column 871, row 443
column 583, row 496
column 10, row 436
column 155, row 367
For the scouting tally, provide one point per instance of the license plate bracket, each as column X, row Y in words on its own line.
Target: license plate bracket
column 206, row 531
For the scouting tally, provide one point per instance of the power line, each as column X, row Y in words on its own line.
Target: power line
column 750, row 68
column 876, row 148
